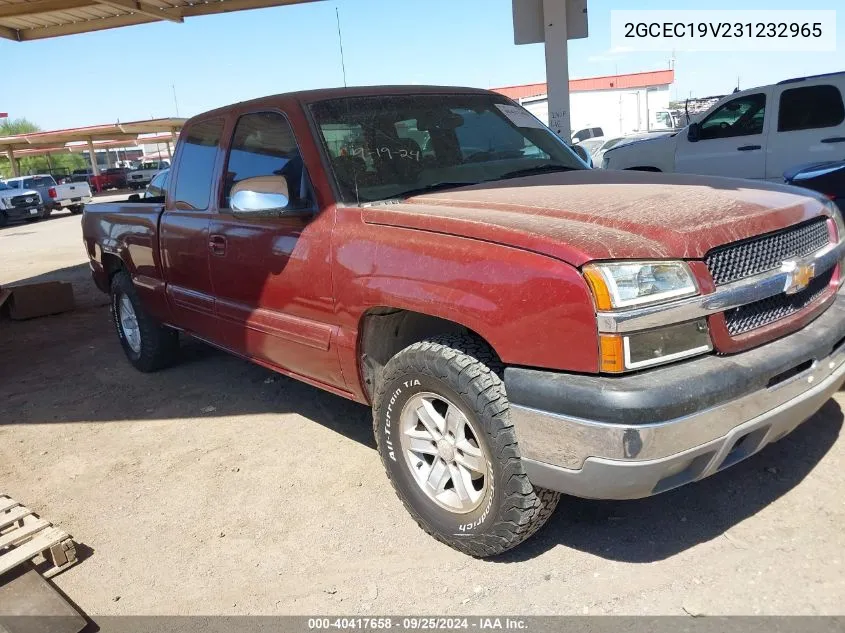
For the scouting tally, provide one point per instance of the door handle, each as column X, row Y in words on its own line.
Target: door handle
column 217, row 244
column 748, row 148
column 834, row 139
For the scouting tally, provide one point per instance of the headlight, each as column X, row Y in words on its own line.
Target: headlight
column 629, row 284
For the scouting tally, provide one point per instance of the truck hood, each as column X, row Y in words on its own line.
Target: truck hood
column 587, row 215
column 6, row 194
column 653, row 137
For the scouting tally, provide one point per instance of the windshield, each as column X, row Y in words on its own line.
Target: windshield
column 148, row 165
column 386, row 147
column 4, row 186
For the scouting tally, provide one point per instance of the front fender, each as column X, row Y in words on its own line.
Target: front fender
column 532, row 309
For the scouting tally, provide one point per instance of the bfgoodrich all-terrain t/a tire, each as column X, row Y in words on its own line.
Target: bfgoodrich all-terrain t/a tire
column 443, row 432
column 148, row 345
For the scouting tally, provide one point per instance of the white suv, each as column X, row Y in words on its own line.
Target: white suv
column 758, row 133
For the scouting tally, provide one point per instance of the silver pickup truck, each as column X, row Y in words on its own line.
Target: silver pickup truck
column 55, row 197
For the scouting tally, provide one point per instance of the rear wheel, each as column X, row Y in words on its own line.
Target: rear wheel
column 148, row 345
column 444, row 436
column 76, row 209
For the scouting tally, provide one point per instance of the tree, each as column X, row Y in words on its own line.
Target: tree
column 35, row 164
column 13, row 127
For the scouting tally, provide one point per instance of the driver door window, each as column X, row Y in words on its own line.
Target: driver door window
column 741, row 117
column 731, row 141
column 264, row 146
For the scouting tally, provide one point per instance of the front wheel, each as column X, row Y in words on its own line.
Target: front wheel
column 46, row 212
column 148, row 345
column 444, row 436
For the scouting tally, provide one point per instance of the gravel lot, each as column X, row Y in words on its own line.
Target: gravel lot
column 217, row 487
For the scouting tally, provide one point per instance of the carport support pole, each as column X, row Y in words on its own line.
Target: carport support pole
column 93, row 156
column 10, row 153
column 557, row 67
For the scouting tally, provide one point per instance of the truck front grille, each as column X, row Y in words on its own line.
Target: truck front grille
column 760, row 313
column 761, row 254
column 24, row 201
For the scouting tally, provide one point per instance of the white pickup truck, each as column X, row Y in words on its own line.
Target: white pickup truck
column 18, row 204
column 758, row 133
column 72, row 196
column 141, row 176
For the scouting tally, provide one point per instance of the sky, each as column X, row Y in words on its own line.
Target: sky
column 131, row 73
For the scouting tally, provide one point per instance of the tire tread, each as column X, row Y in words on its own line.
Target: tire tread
column 159, row 344
column 472, row 368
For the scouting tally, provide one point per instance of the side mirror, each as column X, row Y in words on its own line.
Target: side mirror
column 583, row 154
column 260, row 196
column 135, row 197
column 694, row 133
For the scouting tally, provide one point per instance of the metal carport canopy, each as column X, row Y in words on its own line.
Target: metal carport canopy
column 59, row 140
column 22, row 20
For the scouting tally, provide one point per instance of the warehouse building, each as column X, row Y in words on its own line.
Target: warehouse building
column 618, row 104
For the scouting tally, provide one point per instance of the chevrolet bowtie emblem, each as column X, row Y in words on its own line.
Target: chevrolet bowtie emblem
column 800, row 276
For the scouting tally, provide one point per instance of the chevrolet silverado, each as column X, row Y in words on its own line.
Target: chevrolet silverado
column 522, row 326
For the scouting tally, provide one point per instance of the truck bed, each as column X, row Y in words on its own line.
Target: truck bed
column 127, row 230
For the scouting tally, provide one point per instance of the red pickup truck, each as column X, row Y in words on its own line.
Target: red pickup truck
column 522, row 326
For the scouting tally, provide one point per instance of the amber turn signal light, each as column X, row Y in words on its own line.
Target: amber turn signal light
column 612, row 355
column 598, row 286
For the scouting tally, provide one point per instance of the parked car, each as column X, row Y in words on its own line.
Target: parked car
column 109, row 178
column 157, row 189
column 610, row 142
column 522, row 326
column 140, row 177
column 591, row 144
column 72, row 196
column 586, row 133
column 19, row 204
column 826, row 178
column 757, row 133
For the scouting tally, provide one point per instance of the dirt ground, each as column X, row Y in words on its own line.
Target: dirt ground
column 217, row 487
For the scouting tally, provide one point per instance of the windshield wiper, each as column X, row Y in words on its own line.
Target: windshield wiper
column 438, row 186
column 537, row 169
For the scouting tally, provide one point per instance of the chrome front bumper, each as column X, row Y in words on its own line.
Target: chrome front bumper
column 785, row 383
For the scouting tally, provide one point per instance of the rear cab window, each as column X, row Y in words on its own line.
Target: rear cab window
column 198, row 155
column 810, row 108
column 39, row 181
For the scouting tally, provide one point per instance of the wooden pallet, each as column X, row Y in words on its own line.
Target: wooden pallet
column 24, row 536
